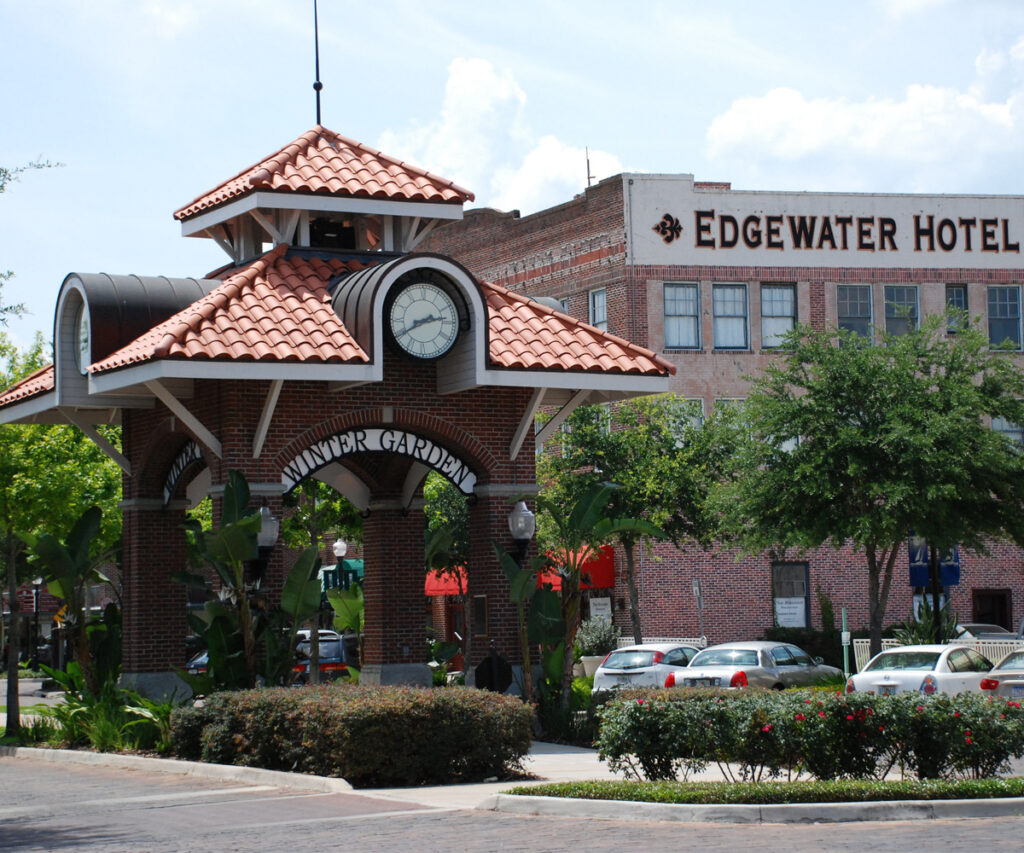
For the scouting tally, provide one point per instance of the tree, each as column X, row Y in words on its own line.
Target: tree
column 856, row 443
column 48, row 476
column 663, row 456
column 576, row 535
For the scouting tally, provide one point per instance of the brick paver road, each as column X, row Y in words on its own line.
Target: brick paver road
column 51, row 807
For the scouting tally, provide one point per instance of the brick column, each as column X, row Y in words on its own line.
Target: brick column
column 153, row 616
column 394, row 644
column 488, row 523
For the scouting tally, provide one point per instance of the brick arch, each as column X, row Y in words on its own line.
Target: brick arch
column 465, row 445
column 151, row 464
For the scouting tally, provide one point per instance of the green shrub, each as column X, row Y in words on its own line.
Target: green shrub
column 754, row 735
column 371, row 736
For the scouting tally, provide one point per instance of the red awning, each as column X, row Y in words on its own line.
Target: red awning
column 601, row 570
column 445, row 584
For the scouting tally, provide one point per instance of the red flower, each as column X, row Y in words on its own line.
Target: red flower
column 821, row 713
column 849, row 716
column 801, row 717
column 766, row 728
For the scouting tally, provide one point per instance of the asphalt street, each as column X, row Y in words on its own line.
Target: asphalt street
column 68, row 807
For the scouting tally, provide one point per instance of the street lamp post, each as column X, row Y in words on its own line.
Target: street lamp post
column 34, row 657
column 522, row 524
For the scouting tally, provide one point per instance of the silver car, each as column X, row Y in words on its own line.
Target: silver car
column 1006, row 678
column 647, row 665
column 925, row 669
column 761, row 663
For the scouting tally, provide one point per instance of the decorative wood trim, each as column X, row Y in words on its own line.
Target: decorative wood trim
column 545, row 432
column 97, row 439
column 190, row 420
column 269, row 405
column 526, row 423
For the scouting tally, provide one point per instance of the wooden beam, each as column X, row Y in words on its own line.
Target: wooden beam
column 266, row 417
column 545, row 432
column 414, row 241
column 97, row 439
column 223, row 239
column 525, row 423
column 190, row 420
column 268, row 226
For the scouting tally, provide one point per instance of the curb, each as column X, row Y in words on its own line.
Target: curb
column 249, row 775
column 784, row 813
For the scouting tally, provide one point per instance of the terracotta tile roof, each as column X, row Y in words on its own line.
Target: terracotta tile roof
column 36, row 383
column 324, row 162
column 529, row 335
column 275, row 309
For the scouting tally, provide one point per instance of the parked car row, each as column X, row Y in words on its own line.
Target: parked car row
column 925, row 669
column 760, row 663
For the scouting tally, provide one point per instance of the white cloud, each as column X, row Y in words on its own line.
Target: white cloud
column 930, row 125
column 480, row 125
column 481, row 140
column 551, row 173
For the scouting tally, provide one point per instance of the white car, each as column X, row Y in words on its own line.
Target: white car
column 647, row 665
column 922, row 669
column 1006, row 678
column 758, row 663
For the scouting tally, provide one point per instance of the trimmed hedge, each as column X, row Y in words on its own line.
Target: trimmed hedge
column 667, row 734
column 370, row 736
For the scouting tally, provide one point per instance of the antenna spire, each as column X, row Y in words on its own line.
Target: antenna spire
column 589, row 176
column 317, row 85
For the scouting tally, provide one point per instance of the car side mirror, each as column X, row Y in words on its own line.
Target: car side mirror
column 818, row 661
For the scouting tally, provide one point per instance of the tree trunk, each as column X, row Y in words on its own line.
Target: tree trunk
column 571, row 613
column 13, row 708
column 879, row 581
column 634, row 594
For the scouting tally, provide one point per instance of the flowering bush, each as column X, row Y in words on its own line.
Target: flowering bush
column 754, row 735
column 370, row 736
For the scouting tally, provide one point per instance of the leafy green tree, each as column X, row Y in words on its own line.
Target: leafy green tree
column 578, row 532
column 664, row 457
column 49, row 475
column 856, row 443
column 70, row 568
column 446, row 548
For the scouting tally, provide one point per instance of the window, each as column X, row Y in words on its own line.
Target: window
column 1004, row 317
column 778, row 312
column 853, row 303
column 789, row 590
column 682, row 316
column 599, row 309
column 900, row 309
column 956, row 300
column 729, row 306
column 1011, row 430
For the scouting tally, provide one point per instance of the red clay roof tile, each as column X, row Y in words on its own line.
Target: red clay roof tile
column 526, row 334
column 324, row 162
column 266, row 311
column 35, row 383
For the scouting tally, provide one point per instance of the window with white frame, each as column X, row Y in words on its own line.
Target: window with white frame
column 599, row 309
column 900, row 308
column 1011, row 430
column 790, row 582
column 1004, row 317
column 853, row 307
column 682, row 316
column 778, row 313
column 729, row 307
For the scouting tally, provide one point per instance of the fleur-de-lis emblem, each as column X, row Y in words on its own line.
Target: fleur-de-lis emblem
column 669, row 228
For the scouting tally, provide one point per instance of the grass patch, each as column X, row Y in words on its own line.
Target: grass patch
column 771, row 793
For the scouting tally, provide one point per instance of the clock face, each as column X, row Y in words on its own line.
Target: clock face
column 83, row 356
column 424, row 320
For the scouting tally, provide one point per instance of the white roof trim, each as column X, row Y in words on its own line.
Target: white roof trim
column 195, row 225
column 113, row 380
column 29, row 408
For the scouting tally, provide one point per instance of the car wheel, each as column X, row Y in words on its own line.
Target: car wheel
column 778, row 687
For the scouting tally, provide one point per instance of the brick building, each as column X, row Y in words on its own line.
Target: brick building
column 707, row 277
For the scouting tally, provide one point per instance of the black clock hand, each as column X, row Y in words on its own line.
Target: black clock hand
column 431, row 318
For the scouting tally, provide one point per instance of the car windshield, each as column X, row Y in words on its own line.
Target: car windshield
column 629, row 659
column 1014, row 661
column 904, row 660
column 726, row 657
column 982, row 628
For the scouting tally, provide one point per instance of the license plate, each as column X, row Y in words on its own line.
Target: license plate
column 1017, row 690
column 887, row 689
column 703, row 682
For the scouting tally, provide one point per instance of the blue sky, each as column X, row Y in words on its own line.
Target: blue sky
column 149, row 103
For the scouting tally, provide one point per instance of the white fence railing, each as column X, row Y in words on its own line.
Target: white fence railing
column 994, row 650
column 699, row 642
